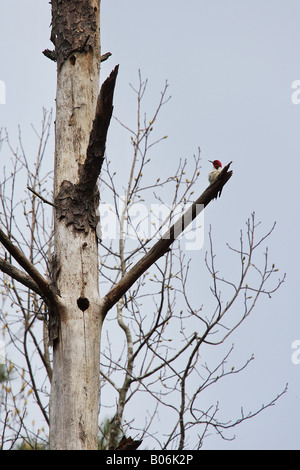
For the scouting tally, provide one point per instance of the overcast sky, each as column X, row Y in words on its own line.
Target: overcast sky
column 231, row 66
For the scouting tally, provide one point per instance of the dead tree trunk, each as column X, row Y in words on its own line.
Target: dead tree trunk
column 82, row 120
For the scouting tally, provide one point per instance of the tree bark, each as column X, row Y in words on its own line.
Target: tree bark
column 74, row 397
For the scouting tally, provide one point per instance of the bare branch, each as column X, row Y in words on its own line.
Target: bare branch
column 45, row 288
column 41, row 197
column 161, row 247
column 19, row 276
column 105, row 56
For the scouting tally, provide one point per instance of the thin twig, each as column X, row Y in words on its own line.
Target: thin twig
column 41, row 197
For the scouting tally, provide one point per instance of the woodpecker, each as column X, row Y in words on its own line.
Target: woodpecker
column 215, row 171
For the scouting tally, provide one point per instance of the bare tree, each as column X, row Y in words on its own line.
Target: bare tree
column 61, row 269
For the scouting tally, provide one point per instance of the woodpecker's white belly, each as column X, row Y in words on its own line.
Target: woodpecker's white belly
column 214, row 174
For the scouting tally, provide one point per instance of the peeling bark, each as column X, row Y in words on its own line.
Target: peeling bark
column 77, row 206
column 74, row 28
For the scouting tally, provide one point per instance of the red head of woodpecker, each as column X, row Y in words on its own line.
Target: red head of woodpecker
column 215, row 171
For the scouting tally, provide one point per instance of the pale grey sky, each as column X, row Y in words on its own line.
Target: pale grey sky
column 230, row 65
